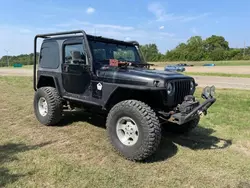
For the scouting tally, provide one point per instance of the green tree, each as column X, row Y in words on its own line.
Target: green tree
column 195, row 48
column 150, row 52
column 215, row 42
column 25, row 59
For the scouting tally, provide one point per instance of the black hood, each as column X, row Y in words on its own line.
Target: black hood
column 139, row 76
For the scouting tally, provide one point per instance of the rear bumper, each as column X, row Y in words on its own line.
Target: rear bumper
column 180, row 118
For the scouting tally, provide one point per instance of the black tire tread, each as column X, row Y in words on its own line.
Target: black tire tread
column 154, row 136
column 55, row 102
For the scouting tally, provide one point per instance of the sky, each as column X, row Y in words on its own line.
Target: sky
column 165, row 23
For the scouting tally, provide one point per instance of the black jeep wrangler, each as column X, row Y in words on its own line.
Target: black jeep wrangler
column 110, row 77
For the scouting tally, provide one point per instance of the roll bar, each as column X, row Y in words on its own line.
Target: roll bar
column 48, row 35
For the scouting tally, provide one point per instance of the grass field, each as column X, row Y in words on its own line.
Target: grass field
column 201, row 63
column 77, row 153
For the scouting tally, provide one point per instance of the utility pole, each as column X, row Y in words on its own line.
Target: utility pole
column 7, row 58
column 244, row 48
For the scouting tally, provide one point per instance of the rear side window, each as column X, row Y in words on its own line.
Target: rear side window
column 49, row 57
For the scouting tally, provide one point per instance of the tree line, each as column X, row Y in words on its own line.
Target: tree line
column 214, row 48
column 24, row 59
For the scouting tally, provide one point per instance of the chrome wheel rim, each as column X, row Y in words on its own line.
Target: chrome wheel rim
column 127, row 131
column 43, row 106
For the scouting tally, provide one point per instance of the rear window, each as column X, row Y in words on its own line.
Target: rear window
column 49, row 55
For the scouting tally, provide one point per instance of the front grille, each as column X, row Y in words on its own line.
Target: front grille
column 182, row 88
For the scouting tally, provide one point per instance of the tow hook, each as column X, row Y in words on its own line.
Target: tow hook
column 201, row 114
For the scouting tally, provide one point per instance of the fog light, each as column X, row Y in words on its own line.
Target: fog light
column 212, row 91
column 206, row 92
column 192, row 86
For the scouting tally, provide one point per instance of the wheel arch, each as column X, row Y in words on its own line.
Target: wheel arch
column 48, row 81
column 151, row 97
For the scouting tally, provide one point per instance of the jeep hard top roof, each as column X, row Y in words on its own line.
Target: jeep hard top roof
column 72, row 34
column 92, row 37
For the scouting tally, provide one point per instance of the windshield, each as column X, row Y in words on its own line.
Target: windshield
column 104, row 51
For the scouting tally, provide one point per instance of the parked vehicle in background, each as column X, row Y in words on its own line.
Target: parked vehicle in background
column 174, row 68
column 184, row 65
column 209, row 65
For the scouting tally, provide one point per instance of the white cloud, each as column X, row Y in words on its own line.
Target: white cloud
column 15, row 41
column 77, row 23
column 158, row 11
column 194, row 30
column 127, row 38
column 191, row 18
column 167, row 34
column 25, row 31
column 161, row 27
column 161, row 15
column 118, row 27
column 90, row 10
column 20, row 35
column 117, row 31
column 64, row 25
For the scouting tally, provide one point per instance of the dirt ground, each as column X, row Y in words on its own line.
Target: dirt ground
column 216, row 69
column 223, row 82
column 15, row 72
column 219, row 82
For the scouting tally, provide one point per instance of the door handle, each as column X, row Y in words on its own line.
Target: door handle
column 65, row 68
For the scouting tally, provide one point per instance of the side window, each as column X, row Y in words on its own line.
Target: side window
column 74, row 54
column 49, row 55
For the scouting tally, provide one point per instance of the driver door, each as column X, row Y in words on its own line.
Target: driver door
column 75, row 72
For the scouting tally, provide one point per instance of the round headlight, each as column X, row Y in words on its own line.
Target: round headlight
column 206, row 92
column 212, row 91
column 170, row 88
column 191, row 85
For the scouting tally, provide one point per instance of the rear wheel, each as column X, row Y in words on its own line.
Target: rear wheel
column 133, row 129
column 48, row 106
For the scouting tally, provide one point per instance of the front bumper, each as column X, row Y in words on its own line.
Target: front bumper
column 190, row 110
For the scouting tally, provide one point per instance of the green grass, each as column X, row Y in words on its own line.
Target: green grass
column 24, row 67
column 28, row 66
column 216, row 74
column 201, row 63
column 78, row 154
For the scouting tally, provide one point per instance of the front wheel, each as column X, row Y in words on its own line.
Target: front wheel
column 133, row 129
